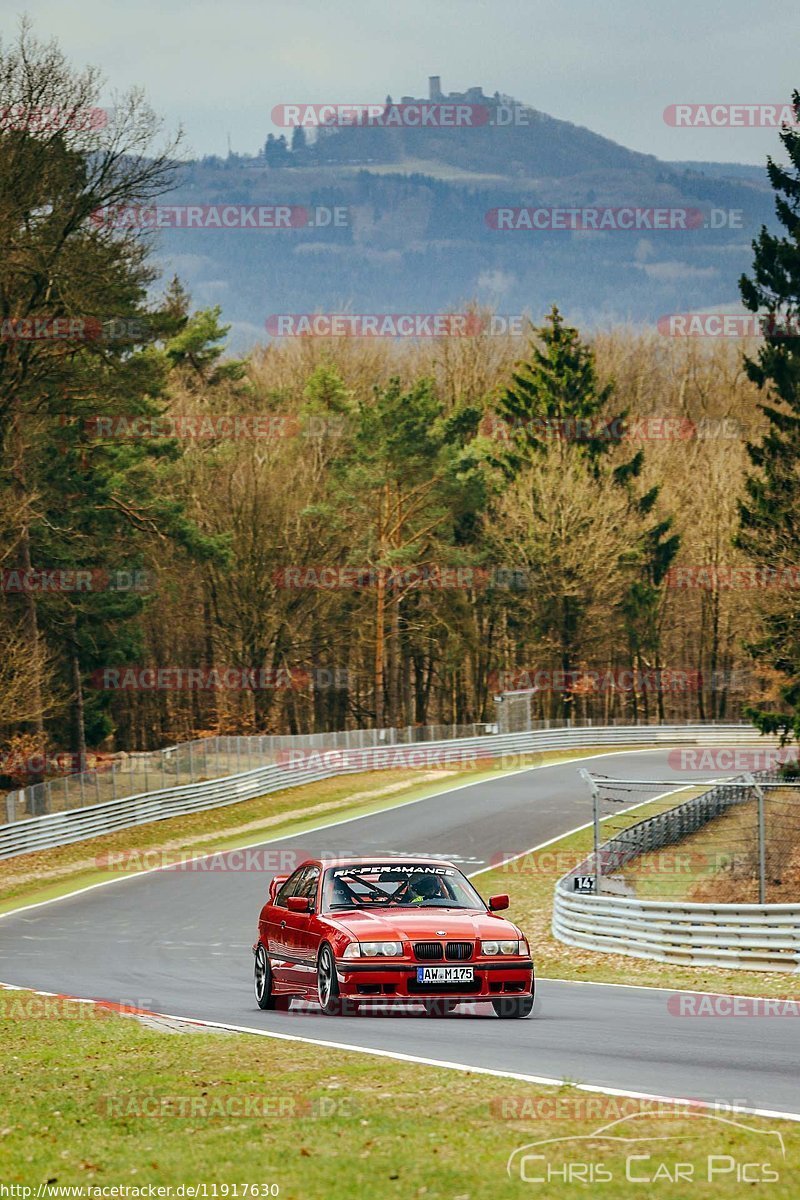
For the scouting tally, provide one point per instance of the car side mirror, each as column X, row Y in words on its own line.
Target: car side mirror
column 298, row 904
column 497, row 902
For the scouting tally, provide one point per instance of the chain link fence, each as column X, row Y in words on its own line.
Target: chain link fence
column 138, row 772
column 735, row 841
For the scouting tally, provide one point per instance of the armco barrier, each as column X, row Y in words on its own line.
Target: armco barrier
column 747, row 936
column 755, row 936
column 75, row 825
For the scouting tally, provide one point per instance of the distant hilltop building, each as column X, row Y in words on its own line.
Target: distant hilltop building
column 473, row 95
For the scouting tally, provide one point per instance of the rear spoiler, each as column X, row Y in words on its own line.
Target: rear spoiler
column 274, row 884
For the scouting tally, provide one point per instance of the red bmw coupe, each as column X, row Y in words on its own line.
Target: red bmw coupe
column 345, row 931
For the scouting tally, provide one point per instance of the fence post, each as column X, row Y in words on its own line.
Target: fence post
column 598, row 871
column 191, row 764
column 762, row 852
column 11, row 806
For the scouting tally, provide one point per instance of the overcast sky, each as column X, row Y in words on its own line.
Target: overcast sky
column 219, row 68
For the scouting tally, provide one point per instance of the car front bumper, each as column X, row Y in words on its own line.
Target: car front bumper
column 388, row 980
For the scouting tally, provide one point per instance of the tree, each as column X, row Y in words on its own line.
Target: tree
column 557, row 408
column 276, row 151
column 770, row 512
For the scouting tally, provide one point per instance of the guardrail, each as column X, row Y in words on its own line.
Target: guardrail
column 308, row 766
column 747, row 936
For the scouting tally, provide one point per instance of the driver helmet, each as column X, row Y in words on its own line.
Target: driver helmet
column 426, row 886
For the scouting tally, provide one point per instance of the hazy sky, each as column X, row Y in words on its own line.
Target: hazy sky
column 218, row 68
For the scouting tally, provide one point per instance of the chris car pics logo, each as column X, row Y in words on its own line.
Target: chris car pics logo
column 627, row 1150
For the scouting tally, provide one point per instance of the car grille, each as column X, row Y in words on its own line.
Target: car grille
column 458, row 951
column 434, row 951
column 428, row 950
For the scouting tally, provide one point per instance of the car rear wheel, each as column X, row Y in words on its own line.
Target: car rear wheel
column 327, row 983
column 513, row 1006
column 263, row 984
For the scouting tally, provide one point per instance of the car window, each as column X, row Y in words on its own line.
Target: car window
column 308, row 885
column 290, row 887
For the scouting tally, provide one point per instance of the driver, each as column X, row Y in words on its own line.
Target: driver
column 422, row 888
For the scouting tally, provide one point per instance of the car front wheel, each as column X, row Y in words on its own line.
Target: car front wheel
column 513, row 1006
column 327, row 983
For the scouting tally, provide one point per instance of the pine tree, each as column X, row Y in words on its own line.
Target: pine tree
column 770, row 510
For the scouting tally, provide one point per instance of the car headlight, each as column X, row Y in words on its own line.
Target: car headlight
column 492, row 949
column 373, row 950
column 381, row 949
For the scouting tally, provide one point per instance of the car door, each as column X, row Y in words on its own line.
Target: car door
column 294, row 932
column 277, row 929
column 305, row 929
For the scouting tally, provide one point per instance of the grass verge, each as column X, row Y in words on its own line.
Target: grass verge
column 75, row 1094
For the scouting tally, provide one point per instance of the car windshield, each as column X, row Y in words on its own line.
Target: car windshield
column 395, row 885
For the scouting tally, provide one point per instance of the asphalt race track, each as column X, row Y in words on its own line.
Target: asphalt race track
column 178, row 942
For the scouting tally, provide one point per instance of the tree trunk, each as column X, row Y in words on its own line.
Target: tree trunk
column 79, row 729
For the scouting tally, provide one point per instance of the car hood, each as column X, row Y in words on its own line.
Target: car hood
column 410, row 925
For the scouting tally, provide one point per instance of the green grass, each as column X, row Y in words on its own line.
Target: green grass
column 328, row 1125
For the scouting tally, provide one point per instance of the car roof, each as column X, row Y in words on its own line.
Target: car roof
column 381, row 861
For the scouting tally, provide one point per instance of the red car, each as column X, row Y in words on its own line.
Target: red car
column 349, row 930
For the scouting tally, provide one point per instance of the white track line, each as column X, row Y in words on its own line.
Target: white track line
column 399, row 1056
column 316, row 829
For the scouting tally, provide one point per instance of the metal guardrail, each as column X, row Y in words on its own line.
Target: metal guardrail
column 310, row 765
column 747, row 936
column 113, row 777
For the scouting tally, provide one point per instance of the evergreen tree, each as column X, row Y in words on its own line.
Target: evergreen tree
column 770, row 510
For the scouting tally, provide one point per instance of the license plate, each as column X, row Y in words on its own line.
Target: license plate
column 445, row 975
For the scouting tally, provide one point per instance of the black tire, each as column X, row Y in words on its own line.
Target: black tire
column 513, row 1006
column 263, row 984
column 327, row 984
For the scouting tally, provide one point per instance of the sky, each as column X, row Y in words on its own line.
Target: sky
column 217, row 69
